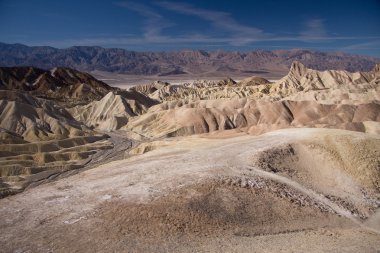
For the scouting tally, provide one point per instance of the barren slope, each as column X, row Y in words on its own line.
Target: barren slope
column 205, row 194
column 254, row 116
column 66, row 85
column 113, row 110
column 37, row 119
column 39, row 138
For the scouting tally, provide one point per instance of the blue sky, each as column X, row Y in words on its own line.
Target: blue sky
column 348, row 26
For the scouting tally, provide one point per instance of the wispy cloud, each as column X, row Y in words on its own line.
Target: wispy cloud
column 220, row 20
column 154, row 23
column 315, row 30
column 231, row 32
column 363, row 46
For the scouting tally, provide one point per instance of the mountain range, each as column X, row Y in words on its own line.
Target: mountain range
column 193, row 62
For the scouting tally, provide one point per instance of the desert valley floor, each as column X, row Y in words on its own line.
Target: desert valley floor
column 291, row 165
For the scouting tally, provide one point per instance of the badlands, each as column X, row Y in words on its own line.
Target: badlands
column 291, row 165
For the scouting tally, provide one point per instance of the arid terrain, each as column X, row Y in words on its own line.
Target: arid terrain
column 208, row 165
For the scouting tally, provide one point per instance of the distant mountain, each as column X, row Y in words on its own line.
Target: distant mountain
column 180, row 62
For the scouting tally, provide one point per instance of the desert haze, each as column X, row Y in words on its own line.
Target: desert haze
column 254, row 165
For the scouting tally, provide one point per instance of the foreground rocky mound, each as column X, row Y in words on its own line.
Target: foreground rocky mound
column 343, row 167
column 61, row 84
column 206, row 194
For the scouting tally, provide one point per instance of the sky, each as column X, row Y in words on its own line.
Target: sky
column 334, row 25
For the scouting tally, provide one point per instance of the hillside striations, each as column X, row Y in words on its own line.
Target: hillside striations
column 60, row 84
column 112, row 111
column 204, row 165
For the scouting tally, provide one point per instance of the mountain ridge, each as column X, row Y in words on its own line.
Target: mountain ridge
column 91, row 58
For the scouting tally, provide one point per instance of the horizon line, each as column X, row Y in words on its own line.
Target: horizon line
column 197, row 49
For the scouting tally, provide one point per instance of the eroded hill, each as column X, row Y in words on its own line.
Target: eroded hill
column 60, row 84
column 179, row 167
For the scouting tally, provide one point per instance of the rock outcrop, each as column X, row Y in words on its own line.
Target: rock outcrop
column 112, row 111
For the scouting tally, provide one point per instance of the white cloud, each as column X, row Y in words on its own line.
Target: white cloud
column 315, row 30
column 154, row 23
column 220, row 20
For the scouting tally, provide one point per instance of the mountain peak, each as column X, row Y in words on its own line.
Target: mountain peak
column 376, row 69
column 298, row 68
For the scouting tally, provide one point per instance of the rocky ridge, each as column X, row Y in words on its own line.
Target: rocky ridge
column 196, row 62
